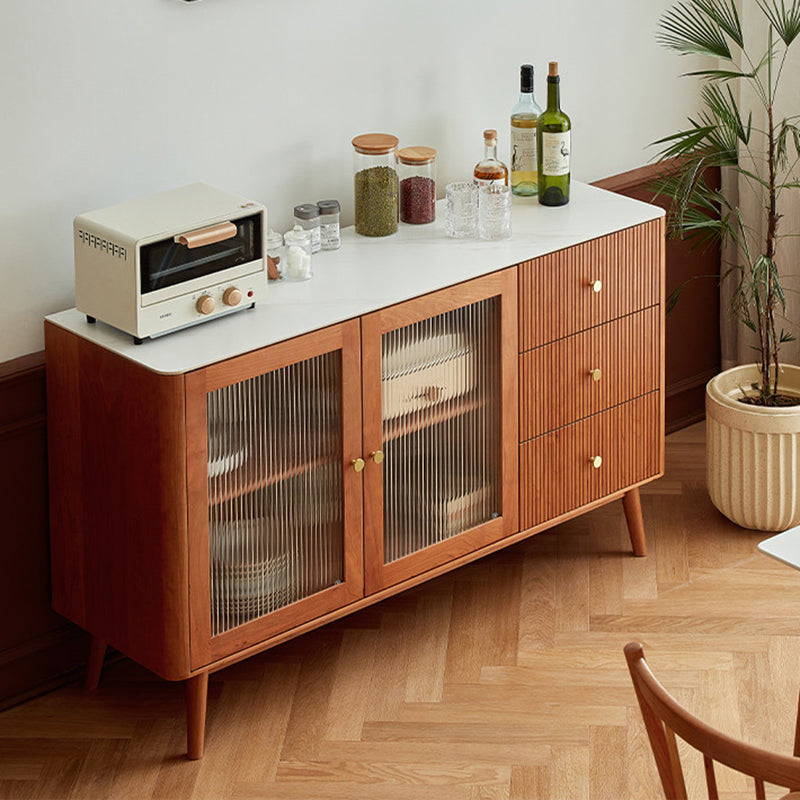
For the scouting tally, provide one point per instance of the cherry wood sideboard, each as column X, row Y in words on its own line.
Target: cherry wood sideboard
column 224, row 489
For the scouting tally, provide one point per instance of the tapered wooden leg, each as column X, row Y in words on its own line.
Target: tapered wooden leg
column 633, row 516
column 94, row 667
column 196, row 696
column 797, row 734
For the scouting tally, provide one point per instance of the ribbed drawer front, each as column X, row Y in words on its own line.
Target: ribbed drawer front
column 557, row 473
column 588, row 372
column 559, row 294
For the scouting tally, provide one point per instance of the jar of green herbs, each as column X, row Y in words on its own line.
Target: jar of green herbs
column 375, row 169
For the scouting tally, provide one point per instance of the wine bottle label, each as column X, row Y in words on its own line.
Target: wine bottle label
column 523, row 149
column 555, row 153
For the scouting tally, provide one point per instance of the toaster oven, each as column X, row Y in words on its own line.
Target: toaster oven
column 163, row 262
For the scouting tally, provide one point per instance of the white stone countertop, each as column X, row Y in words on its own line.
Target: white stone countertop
column 367, row 274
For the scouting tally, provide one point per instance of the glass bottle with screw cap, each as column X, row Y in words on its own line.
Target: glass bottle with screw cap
column 329, row 224
column 375, row 184
column 554, row 146
column 416, row 167
column 307, row 217
column 490, row 169
column 524, row 116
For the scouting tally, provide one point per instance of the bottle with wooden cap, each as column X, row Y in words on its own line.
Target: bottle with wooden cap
column 375, row 169
column 490, row 170
column 416, row 167
column 554, row 145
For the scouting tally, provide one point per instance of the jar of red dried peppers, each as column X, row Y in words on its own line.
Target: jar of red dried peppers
column 417, row 174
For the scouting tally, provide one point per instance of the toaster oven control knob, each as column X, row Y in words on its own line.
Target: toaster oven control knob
column 231, row 296
column 205, row 304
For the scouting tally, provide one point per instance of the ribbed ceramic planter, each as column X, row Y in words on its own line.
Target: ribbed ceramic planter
column 753, row 453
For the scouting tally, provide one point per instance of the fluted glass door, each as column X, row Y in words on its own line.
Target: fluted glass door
column 440, row 405
column 440, row 427
column 275, row 490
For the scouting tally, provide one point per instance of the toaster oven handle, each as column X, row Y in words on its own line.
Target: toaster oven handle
column 216, row 233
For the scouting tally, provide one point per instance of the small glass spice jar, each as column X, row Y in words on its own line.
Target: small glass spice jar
column 329, row 224
column 297, row 263
column 274, row 255
column 307, row 217
column 417, row 173
column 375, row 172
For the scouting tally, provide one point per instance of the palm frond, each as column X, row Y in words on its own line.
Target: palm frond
column 699, row 27
column 785, row 21
column 719, row 74
column 684, row 142
column 726, row 16
column 725, row 115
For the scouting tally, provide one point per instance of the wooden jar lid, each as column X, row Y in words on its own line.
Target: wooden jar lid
column 375, row 143
column 416, row 155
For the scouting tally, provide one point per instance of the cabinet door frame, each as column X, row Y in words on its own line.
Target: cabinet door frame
column 502, row 284
column 206, row 648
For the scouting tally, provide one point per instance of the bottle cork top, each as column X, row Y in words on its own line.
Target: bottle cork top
column 552, row 69
column 490, row 134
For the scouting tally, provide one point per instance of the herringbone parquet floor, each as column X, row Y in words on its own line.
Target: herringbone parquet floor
column 504, row 679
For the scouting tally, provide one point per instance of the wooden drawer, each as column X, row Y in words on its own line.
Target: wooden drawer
column 558, row 383
column 556, row 470
column 556, row 293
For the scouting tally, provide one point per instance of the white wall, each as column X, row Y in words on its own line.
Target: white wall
column 105, row 100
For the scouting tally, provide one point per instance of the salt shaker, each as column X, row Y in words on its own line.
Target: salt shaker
column 329, row 224
column 298, row 254
column 307, row 217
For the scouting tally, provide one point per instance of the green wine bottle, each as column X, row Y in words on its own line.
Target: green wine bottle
column 553, row 146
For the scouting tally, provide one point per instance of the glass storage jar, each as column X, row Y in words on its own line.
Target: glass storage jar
column 375, row 171
column 416, row 170
column 329, row 224
column 307, row 217
column 274, row 255
column 298, row 254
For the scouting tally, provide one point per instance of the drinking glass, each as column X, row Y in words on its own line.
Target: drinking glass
column 461, row 209
column 494, row 211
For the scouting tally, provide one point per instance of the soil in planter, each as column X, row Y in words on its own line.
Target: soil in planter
column 781, row 401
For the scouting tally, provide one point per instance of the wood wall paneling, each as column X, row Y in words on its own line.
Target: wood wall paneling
column 39, row 649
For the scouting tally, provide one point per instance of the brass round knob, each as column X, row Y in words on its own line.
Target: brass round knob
column 377, row 456
column 231, row 296
column 358, row 464
column 596, row 286
column 596, row 461
column 205, row 304
column 596, row 374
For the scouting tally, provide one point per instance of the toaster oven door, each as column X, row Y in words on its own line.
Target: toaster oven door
column 178, row 259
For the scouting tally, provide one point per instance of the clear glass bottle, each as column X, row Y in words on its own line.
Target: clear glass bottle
column 298, row 254
column 375, row 183
column 329, row 231
column 554, row 146
column 307, row 217
column 490, row 169
column 524, row 117
column 416, row 167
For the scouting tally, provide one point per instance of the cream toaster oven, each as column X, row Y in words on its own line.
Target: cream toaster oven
column 170, row 260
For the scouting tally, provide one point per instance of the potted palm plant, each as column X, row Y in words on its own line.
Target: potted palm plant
column 752, row 411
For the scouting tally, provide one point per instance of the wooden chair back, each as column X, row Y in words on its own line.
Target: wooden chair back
column 665, row 718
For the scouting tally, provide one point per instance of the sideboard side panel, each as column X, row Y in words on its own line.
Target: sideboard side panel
column 118, row 545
